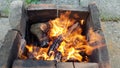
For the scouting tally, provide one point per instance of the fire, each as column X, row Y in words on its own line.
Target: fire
column 30, row 48
column 60, row 25
column 66, row 40
column 82, row 22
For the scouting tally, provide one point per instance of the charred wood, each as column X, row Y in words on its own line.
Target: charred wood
column 58, row 56
column 44, row 41
column 84, row 55
column 59, row 39
column 35, row 29
column 55, row 45
column 44, row 27
column 72, row 28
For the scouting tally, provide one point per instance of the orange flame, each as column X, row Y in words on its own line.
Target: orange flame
column 73, row 42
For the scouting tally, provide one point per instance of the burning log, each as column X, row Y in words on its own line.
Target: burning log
column 40, row 30
column 59, row 39
column 84, row 55
column 74, row 26
column 58, row 56
column 44, row 41
column 55, row 44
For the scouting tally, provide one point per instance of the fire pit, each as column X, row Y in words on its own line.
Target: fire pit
column 50, row 36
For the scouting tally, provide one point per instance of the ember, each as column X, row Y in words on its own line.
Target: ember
column 65, row 41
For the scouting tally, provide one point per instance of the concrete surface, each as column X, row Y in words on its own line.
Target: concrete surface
column 109, row 9
column 112, row 35
column 4, row 27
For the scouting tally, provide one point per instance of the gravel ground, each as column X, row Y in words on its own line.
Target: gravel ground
column 112, row 35
column 4, row 27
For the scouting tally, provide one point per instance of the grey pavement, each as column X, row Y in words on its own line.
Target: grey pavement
column 112, row 35
column 109, row 9
column 4, row 27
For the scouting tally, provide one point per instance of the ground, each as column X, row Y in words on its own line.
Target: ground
column 112, row 36
column 4, row 27
column 110, row 28
column 109, row 9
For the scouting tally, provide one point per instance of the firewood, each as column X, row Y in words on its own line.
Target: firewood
column 44, row 27
column 71, row 29
column 40, row 31
column 55, row 44
column 59, row 39
column 44, row 41
column 84, row 55
column 58, row 56
column 35, row 29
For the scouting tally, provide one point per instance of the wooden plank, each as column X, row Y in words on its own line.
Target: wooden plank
column 65, row 65
column 33, row 64
column 85, row 65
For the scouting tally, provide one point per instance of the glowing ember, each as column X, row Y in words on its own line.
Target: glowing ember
column 71, row 43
